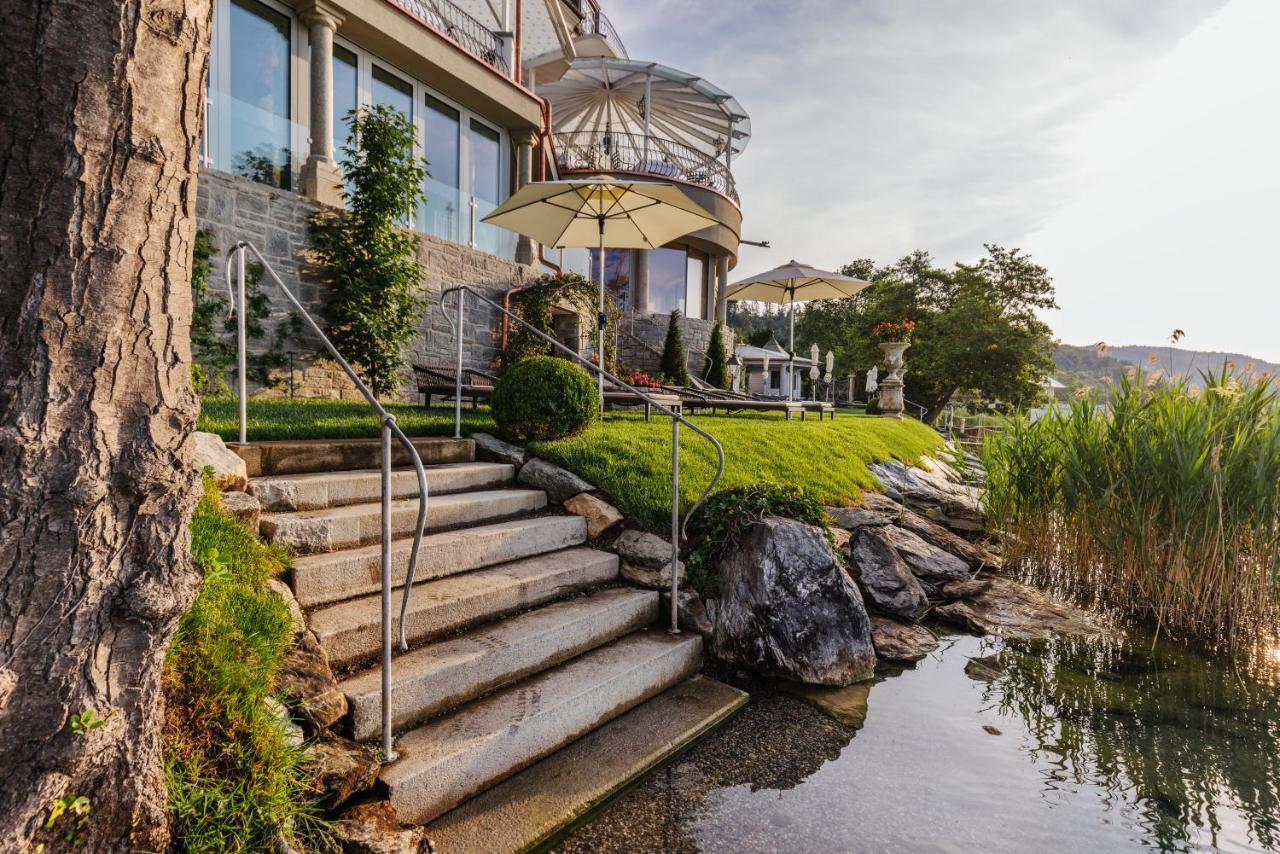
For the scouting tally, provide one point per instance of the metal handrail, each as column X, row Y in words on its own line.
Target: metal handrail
column 616, row 151
column 679, row 529
column 451, row 20
column 389, row 428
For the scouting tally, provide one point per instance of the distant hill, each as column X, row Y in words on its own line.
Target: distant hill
column 1087, row 365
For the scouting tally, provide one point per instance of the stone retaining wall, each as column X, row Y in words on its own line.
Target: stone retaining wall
column 643, row 335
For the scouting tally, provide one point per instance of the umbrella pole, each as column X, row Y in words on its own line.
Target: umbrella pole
column 600, row 321
column 791, row 351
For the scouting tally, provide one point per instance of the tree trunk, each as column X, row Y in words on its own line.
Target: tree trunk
column 101, row 105
column 938, row 406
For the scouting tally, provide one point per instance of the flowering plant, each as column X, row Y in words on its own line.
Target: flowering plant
column 888, row 330
column 639, row 379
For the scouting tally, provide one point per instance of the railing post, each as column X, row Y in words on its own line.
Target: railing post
column 675, row 526
column 457, row 396
column 389, row 754
column 241, row 348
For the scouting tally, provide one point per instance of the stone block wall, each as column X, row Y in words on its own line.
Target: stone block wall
column 276, row 221
column 642, row 335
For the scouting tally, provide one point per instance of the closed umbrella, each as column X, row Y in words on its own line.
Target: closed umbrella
column 601, row 211
column 790, row 283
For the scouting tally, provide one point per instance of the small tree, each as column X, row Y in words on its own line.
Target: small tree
column 673, row 366
column 371, row 257
column 717, row 359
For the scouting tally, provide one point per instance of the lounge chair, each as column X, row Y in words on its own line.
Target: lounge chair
column 614, row 396
column 710, row 398
column 442, row 381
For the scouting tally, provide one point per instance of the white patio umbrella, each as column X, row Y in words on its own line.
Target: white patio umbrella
column 600, row 212
column 790, row 283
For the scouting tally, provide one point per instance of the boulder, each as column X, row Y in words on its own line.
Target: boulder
column 374, row 828
column 644, row 549
column 306, row 679
column 953, row 504
column 966, row 588
column 229, row 471
column 558, row 483
column 243, row 506
column 853, row 518
column 339, row 768
column 1014, row 610
column 787, row 608
column 600, row 515
column 901, row 642
column 690, row 611
column 495, row 450
column 926, row 561
column 977, row 556
column 296, row 617
column 647, row 576
column 884, row 577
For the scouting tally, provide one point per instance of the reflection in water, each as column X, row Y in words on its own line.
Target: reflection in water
column 1062, row 746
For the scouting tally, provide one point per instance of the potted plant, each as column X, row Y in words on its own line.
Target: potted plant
column 895, row 338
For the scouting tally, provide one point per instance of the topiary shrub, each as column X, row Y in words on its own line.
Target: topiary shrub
column 717, row 359
column 674, row 365
column 544, row 398
column 730, row 512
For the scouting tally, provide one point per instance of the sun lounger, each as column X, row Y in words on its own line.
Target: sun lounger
column 621, row 397
column 708, row 398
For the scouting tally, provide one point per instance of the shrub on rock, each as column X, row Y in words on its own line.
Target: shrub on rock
column 544, row 398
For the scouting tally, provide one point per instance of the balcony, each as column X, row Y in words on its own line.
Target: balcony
column 636, row 154
column 456, row 24
column 596, row 23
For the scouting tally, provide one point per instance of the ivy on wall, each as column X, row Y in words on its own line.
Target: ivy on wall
column 536, row 305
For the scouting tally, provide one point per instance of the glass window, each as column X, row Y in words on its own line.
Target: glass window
column 695, row 284
column 668, row 269
column 391, row 90
column 440, row 213
column 346, row 95
column 484, row 146
column 259, row 102
column 617, row 274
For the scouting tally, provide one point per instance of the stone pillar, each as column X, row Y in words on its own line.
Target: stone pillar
column 321, row 178
column 722, row 287
column 640, row 280
column 525, row 141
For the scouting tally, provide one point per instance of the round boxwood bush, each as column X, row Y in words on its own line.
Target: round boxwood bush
column 544, row 398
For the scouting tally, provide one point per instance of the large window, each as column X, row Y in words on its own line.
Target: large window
column 667, row 271
column 441, row 213
column 696, row 285
column 256, row 134
column 346, row 95
column 617, row 274
column 392, row 91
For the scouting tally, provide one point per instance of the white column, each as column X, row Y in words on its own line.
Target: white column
column 321, row 178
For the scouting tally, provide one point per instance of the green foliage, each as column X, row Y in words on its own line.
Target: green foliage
column 727, row 515
column 1163, row 504
column 67, row 816
column 213, row 328
column 370, row 257
column 88, row 720
column 717, row 359
column 976, row 326
column 674, row 364
column 535, row 304
column 234, row 780
column 281, row 418
column 544, row 398
column 630, row 458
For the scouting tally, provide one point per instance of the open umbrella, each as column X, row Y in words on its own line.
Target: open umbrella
column 788, row 284
column 601, row 211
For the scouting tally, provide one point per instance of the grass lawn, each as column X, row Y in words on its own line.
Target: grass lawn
column 629, row 458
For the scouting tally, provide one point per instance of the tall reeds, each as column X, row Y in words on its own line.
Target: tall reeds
column 1163, row 502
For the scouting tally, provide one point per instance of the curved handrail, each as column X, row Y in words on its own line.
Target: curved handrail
column 620, row 151
column 676, row 534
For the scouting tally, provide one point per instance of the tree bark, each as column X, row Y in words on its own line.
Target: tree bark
column 101, row 105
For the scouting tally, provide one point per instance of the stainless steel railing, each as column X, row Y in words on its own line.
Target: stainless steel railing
column 678, row 527
column 389, row 428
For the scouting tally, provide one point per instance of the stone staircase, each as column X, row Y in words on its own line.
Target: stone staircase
column 522, row 639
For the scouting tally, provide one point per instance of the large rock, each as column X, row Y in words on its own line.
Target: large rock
column 647, row 576
column 229, row 471
column 885, row 578
column 243, row 506
column 374, row 828
column 306, row 679
column 853, row 518
column 966, row 588
column 953, row 504
column 495, row 450
column 876, row 505
column 925, row 560
column 600, row 515
column 902, row 642
column 690, row 611
column 641, row 549
column 558, row 483
column 339, row 768
column 787, row 607
column 1014, row 610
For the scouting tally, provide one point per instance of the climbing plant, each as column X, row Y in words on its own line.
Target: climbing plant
column 674, row 366
column 370, row 256
column 535, row 303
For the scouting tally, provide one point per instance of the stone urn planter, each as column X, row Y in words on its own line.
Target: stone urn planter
column 891, row 401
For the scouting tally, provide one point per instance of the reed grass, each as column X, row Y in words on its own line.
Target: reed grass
column 1162, row 503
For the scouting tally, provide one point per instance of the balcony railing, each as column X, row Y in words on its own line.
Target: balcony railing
column 589, row 151
column 596, row 23
column 450, row 20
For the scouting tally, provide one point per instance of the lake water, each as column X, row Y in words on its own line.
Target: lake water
column 1066, row 747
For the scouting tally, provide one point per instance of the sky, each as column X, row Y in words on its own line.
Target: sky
column 1131, row 146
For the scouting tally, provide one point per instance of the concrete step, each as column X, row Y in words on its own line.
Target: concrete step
column 351, row 631
column 320, row 579
column 297, row 456
column 447, row 761
column 441, row 675
column 543, row 801
column 334, row 528
column 318, row 490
